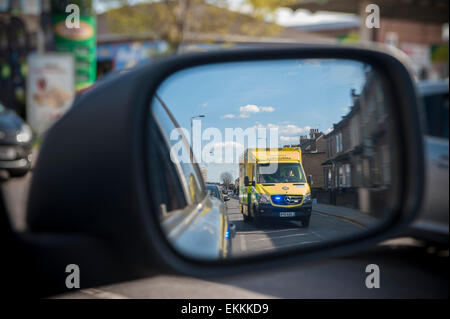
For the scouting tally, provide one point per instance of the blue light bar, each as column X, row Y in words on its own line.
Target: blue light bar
column 277, row 198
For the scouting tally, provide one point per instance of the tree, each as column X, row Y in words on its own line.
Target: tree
column 226, row 179
column 171, row 20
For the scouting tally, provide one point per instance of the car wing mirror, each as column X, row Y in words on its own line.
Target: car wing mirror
column 358, row 126
column 368, row 91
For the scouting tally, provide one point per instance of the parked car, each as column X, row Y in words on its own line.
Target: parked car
column 16, row 138
column 215, row 192
column 432, row 223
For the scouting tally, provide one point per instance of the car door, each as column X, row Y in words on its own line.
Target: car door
column 433, row 222
column 201, row 221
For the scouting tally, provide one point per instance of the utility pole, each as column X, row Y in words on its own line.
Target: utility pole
column 192, row 135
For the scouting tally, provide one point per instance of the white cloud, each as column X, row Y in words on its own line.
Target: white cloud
column 290, row 139
column 288, row 133
column 205, row 104
column 229, row 144
column 267, row 109
column 228, row 116
column 292, row 129
column 286, row 130
column 247, row 110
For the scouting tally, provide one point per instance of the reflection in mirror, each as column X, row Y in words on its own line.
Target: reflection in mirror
column 300, row 150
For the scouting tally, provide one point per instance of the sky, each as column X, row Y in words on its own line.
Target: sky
column 291, row 96
column 284, row 16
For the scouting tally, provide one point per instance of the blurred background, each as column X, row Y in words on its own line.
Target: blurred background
column 118, row 34
column 51, row 51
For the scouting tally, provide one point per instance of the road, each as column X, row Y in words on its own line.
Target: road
column 408, row 269
column 273, row 235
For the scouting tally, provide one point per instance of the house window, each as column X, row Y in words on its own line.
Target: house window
column 339, row 142
column 344, row 176
column 328, row 178
column 347, row 170
column 359, row 174
column 341, row 177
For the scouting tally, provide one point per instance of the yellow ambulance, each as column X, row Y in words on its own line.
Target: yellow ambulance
column 273, row 185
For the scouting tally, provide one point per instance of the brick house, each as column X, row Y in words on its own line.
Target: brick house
column 314, row 152
column 357, row 171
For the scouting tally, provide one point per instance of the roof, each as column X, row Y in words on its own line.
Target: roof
column 435, row 11
column 344, row 120
column 354, row 23
column 341, row 157
column 285, row 154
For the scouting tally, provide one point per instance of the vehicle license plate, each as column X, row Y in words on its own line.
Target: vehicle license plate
column 287, row 214
column 7, row 153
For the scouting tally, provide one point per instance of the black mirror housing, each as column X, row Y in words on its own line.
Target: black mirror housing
column 113, row 212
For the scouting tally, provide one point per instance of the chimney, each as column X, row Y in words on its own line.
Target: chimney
column 313, row 133
column 354, row 96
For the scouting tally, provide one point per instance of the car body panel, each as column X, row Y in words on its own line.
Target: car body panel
column 208, row 186
column 433, row 222
column 205, row 226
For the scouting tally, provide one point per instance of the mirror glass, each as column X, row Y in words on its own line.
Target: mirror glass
column 301, row 148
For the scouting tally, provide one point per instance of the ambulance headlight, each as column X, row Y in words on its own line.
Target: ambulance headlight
column 263, row 199
column 307, row 197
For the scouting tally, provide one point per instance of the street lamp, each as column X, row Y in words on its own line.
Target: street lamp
column 192, row 135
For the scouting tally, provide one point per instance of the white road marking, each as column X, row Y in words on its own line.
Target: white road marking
column 290, row 245
column 320, row 236
column 266, row 232
column 243, row 243
column 303, row 234
column 103, row 294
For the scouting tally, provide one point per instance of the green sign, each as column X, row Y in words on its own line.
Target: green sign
column 439, row 53
column 81, row 42
column 348, row 38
